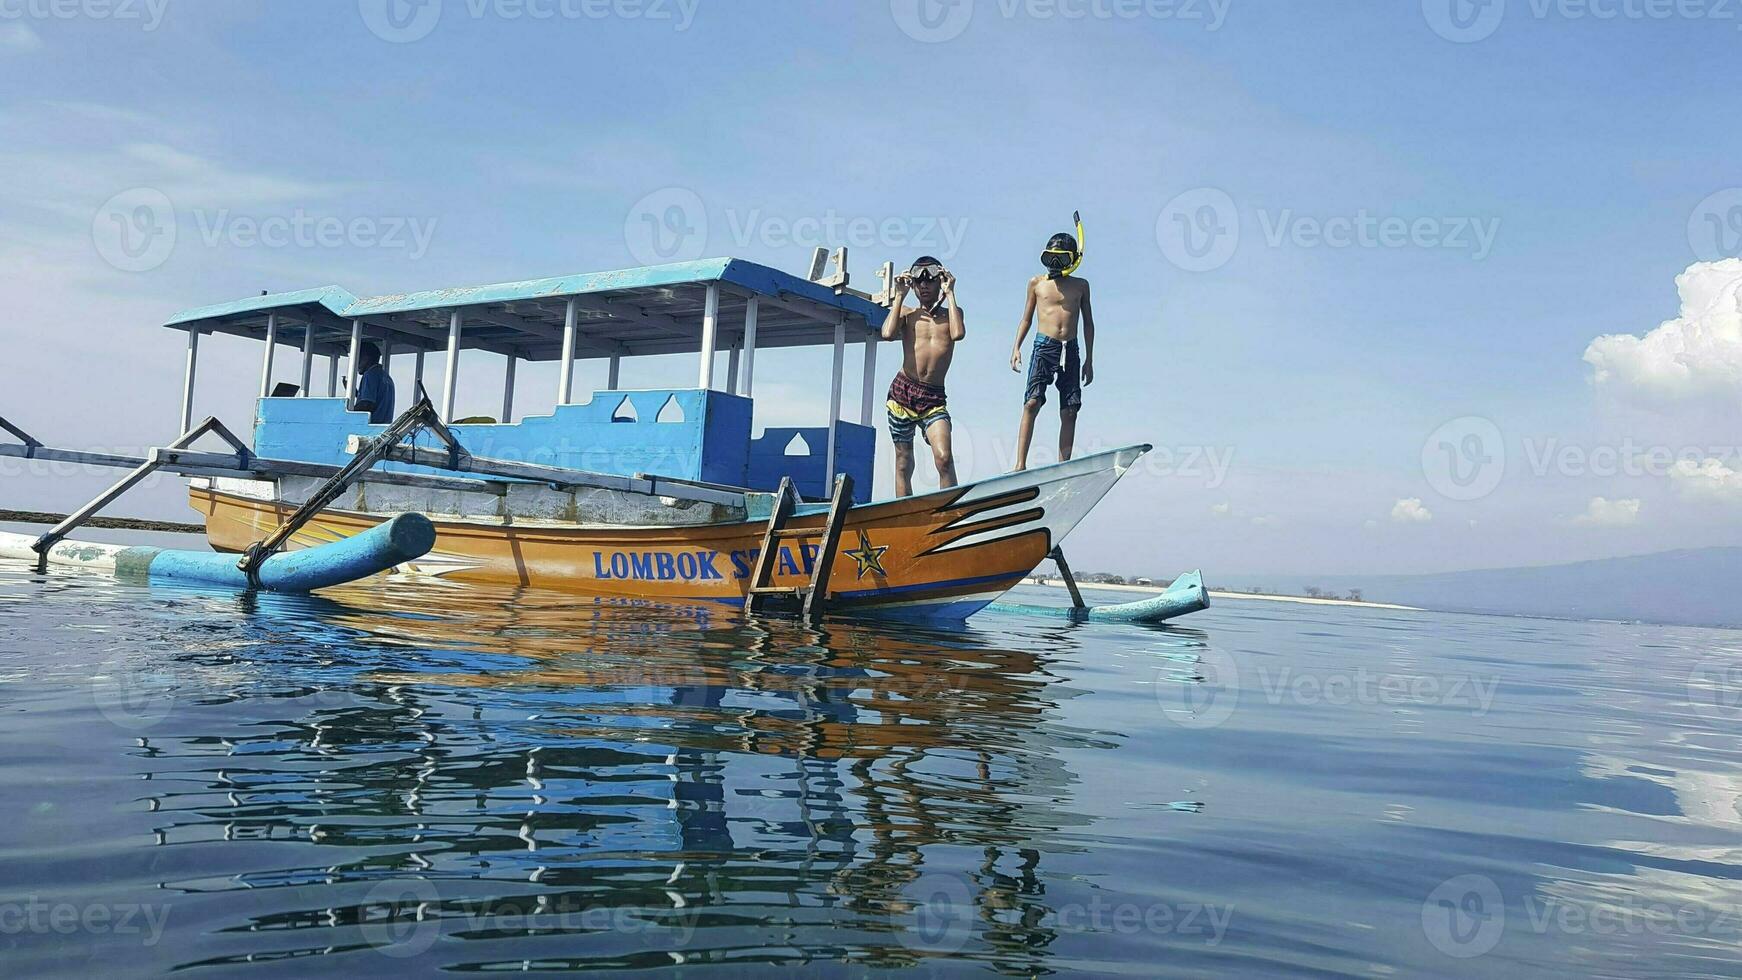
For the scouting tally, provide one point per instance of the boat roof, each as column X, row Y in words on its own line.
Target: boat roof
column 648, row 310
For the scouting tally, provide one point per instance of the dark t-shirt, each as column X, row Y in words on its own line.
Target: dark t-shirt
column 376, row 388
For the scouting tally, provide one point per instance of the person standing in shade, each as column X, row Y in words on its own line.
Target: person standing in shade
column 374, row 387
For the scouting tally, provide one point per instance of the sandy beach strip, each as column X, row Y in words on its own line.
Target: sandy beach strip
column 1156, row 589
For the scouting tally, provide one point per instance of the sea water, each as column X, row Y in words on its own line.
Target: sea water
column 412, row 777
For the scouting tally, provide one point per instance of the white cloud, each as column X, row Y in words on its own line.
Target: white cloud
column 1699, row 353
column 1603, row 512
column 18, row 37
column 102, row 112
column 1709, row 478
column 1410, row 511
column 1222, row 509
column 69, row 185
column 1266, row 520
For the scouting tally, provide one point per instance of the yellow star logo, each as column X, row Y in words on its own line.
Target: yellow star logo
column 870, row 559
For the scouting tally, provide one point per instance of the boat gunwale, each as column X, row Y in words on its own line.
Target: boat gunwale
column 804, row 516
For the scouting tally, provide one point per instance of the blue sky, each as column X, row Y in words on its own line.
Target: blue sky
column 1545, row 182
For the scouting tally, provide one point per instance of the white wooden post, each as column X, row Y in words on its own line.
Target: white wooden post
column 710, row 334
column 266, row 359
column 508, row 391
column 451, row 371
column 308, row 358
column 750, row 311
column 565, row 382
column 869, row 384
column 356, row 355
column 612, row 372
column 387, row 361
column 835, row 401
column 417, row 374
column 732, row 370
column 187, row 384
column 332, row 375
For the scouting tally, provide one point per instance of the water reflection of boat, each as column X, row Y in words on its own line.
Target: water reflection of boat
column 659, row 762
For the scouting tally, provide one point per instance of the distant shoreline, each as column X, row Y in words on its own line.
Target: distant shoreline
column 1305, row 600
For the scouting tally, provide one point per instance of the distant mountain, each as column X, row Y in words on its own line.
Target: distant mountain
column 1694, row 587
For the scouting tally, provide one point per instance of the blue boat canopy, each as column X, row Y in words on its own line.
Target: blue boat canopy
column 650, row 310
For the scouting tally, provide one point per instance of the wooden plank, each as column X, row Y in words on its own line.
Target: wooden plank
column 107, row 523
column 816, row 600
column 763, row 571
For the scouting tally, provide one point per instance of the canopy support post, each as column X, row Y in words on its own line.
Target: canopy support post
column 612, row 372
column 332, row 375
column 868, row 386
column 308, row 358
column 751, row 310
column 710, row 337
column 417, row 374
column 451, row 370
column 835, row 393
column 508, row 391
column 187, row 384
column 732, row 370
column 266, row 359
column 351, row 369
column 565, row 383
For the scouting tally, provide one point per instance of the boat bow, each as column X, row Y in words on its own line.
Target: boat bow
column 1052, row 499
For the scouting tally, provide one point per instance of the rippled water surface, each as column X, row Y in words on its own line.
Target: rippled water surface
column 411, row 778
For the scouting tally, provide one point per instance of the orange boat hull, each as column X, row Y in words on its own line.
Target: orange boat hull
column 940, row 556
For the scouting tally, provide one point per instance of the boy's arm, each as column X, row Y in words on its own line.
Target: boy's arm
column 958, row 328
column 1088, row 337
column 892, row 322
column 1022, row 329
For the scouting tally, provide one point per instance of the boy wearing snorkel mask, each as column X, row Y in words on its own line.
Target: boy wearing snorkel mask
column 1060, row 299
column 928, row 341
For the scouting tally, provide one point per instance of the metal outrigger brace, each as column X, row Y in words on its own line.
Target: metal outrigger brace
column 152, row 462
column 1058, row 557
column 419, row 416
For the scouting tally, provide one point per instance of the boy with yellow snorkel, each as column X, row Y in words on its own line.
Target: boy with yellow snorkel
column 1060, row 299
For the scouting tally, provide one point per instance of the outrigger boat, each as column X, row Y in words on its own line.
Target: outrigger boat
column 650, row 493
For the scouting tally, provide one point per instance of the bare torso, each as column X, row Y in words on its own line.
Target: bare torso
column 926, row 345
column 1058, row 306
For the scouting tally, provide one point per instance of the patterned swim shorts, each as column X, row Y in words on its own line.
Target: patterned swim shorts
column 914, row 404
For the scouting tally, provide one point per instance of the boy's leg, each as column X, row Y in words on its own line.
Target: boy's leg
column 904, row 469
column 938, row 435
column 1070, row 385
column 1042, row 365
column 1025, row 433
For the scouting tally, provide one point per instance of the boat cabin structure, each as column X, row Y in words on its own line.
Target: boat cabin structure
column 702, row 433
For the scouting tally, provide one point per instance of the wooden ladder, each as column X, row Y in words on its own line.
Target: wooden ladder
column 808, row 600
